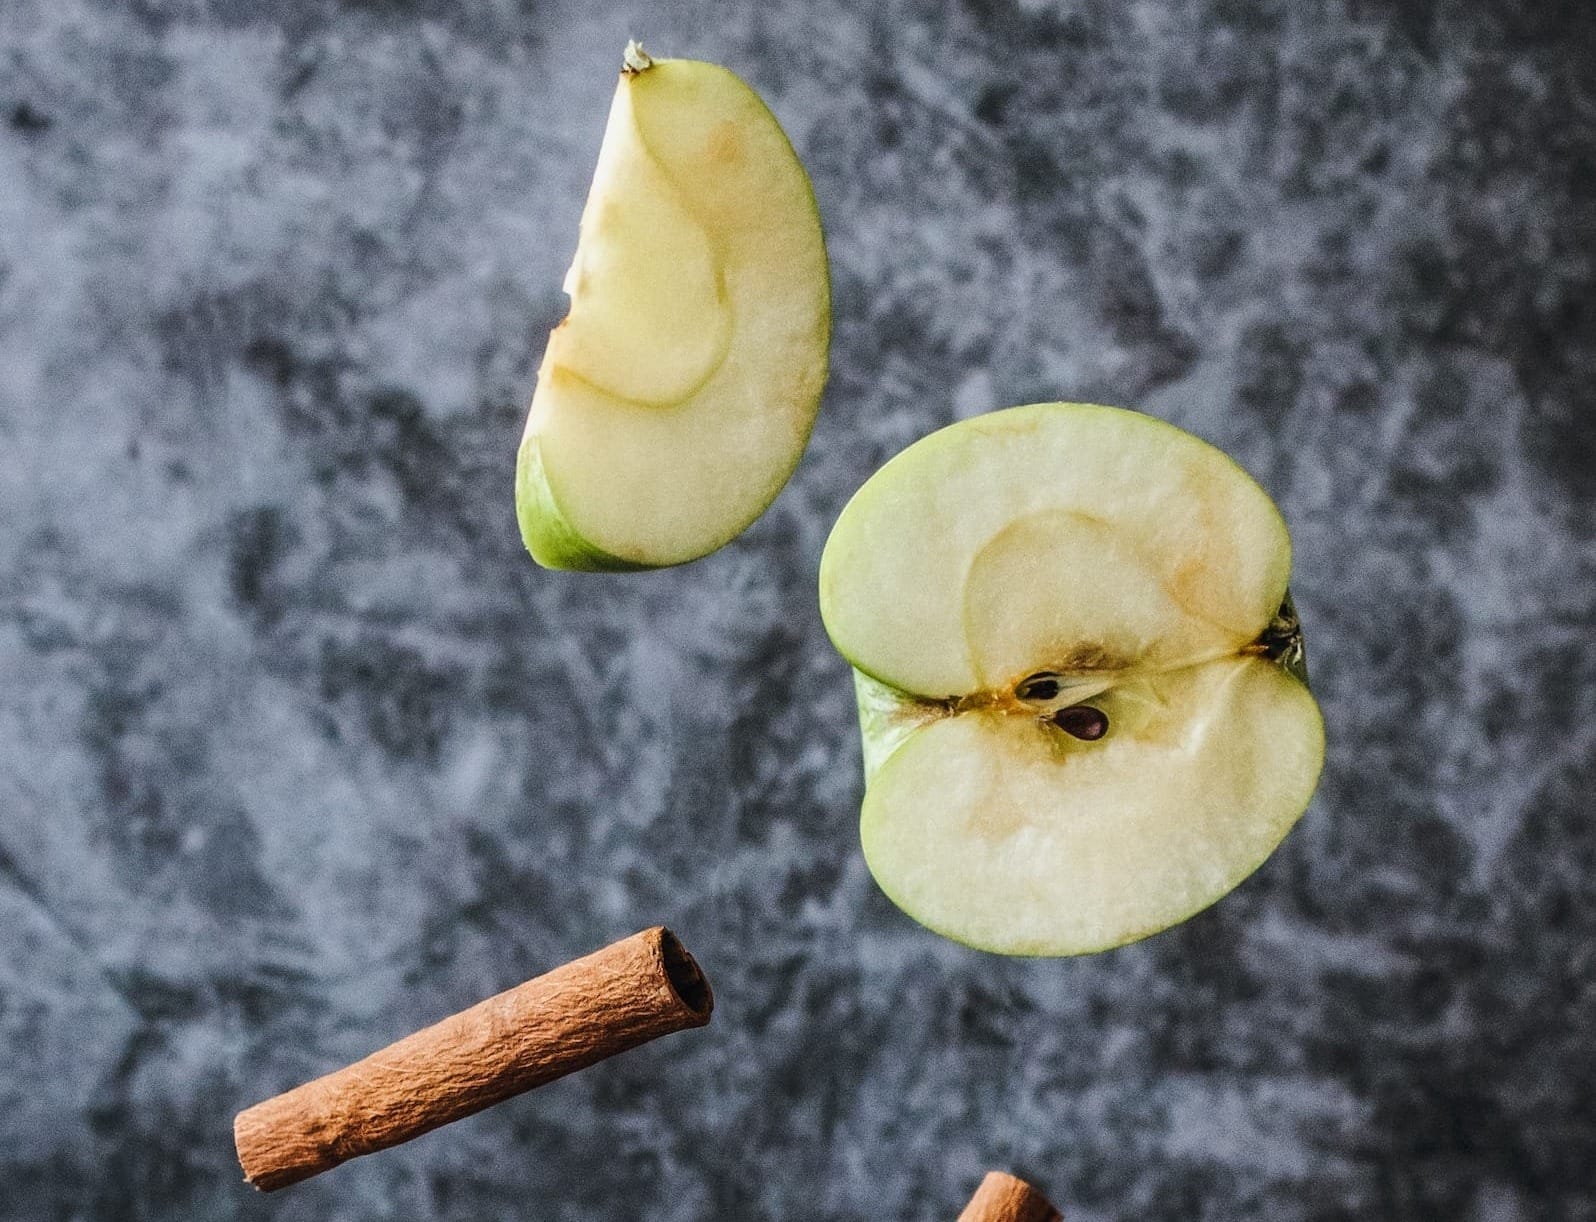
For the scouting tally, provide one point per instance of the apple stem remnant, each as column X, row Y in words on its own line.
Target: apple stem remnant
column 634, row 59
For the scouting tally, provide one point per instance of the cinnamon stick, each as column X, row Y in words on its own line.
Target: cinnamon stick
column 1003, row 1198
column 631, row 992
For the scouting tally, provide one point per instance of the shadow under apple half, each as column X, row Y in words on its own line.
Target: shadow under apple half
column 1081, row 683
column 676, row 397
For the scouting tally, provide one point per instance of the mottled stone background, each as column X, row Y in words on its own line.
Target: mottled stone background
column 299, row 751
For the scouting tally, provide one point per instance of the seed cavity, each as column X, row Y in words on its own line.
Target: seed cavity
column 1082, row 721
column 1038, row 687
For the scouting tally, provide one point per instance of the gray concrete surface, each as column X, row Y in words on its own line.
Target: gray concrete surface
column 299, row 751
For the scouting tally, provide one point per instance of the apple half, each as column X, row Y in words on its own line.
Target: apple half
column 1080, row 679
column 677, row 395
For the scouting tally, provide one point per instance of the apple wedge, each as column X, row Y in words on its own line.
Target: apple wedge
column 1080, row 680
column 676, row 397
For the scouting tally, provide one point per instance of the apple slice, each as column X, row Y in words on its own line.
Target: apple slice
column 677, row 396
column 1080, row 679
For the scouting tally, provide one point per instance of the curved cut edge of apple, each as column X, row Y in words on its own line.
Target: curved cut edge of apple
column 546, row 531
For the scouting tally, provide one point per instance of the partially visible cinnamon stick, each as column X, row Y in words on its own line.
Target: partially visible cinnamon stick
column 631, row 992
column 1003, row 1198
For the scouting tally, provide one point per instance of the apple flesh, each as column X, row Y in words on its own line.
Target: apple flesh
column 1080, row 680
column 676, row 397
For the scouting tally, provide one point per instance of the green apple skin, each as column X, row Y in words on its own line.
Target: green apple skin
column 782, row 368
column 891, row 717
column 548, row 536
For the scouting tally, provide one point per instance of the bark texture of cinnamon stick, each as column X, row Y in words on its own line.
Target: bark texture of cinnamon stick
column 1003, row 1198
column 631, row 992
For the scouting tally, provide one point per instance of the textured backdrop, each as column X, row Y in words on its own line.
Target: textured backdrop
column 298, row 750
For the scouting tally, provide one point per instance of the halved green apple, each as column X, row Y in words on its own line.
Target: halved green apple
column 677, row 396
column 1080, row 678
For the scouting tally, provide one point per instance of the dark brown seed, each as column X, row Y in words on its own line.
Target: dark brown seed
column 1038, row 687
column 1082, row 721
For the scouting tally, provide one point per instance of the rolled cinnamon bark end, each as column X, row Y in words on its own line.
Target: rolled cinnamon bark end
column 1003, row 1198
column 633, row 991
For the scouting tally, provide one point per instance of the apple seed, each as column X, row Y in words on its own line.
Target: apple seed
column 1038, row 687
column 1082, row 721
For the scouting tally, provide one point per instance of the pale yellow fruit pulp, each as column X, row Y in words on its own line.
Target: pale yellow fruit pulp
column 675, row 399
